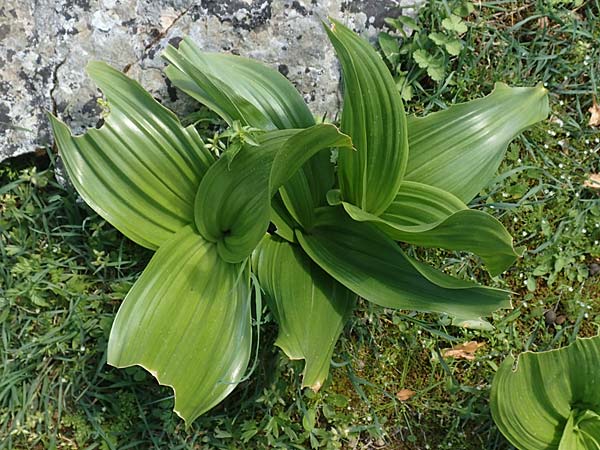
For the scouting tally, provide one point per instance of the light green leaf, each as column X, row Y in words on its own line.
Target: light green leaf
column 454, row 23
column 438, row 38
column 141, row 170
column 552, row 399
column 406, row 92
column 283, row 221
column 309, row 306
column 436, row 70
column 453, row 47
column 241, row 89
column 237, row 88
column 232, row 205
column 374, row 117
column 369, row 263
column 187, row 321
column 389, row 46
column 460, row 149
column 423, row 58
column 430, row 217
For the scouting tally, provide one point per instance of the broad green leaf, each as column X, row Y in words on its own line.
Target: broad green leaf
column 460, row 149
column 588, row 426
column 430, row 217
column 233, row 203
column 372, row 265
column 309, row 306
column 280, row 217
column 551, row 401
column 141, row 169
column 220, row 81
column 374, row 117
column 241, row 89
column 187, row 321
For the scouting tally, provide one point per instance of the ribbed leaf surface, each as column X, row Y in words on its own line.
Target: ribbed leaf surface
column 232, row 206
column 430, row 217
column 309, row 306
column 460, row 149
column 374, row 117
column 220, row 81
column 141, row 170
column 243, row 89
column 187, row 321
column 369, row 263
column 552, row 400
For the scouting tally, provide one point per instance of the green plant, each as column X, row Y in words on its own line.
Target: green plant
column 188, row 318
column 436, row 40
column 552, row 400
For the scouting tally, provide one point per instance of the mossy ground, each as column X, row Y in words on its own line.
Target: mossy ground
column 64, row 272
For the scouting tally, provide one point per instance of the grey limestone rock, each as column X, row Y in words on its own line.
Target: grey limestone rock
column 46, row 44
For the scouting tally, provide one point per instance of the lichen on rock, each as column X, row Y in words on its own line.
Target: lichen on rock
column 45, row 46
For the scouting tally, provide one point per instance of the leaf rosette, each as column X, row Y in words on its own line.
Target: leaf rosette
column 334, row 229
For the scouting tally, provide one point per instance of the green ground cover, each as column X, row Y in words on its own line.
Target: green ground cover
column 64, row 272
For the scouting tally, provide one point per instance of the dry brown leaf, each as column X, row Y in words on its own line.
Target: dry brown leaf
column 595, row 117
column 465, row 351
column 543, row 22
column 404, row 394
column 593, row 181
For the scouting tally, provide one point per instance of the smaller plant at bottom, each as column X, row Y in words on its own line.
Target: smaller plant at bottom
column 551, row 401
column 334, row 235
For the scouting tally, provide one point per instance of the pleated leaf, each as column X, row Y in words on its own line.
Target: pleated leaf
column 373, row 115
column 141, row 169
column 232, row 205
column 224, row 82
column 310, row 307
column 460, row 149
column 242, row 89
column 187, row 321
column 430, row 217
column 369, row 263
column 552, row 400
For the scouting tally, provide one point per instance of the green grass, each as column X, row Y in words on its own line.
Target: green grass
column 64, row 272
